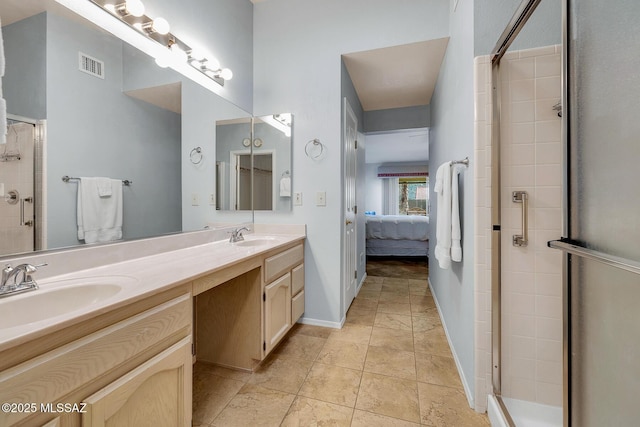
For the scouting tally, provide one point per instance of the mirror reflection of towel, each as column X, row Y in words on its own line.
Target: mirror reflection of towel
column 99, row 218
column 285, row 186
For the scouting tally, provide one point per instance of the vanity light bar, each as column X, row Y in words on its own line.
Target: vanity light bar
column 155, row 30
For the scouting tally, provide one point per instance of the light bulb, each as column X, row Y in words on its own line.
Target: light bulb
column 134, row 7
column 213, row 63
column 110, row 7
column 164, row 59
column 138, row 26
column 197, row 54
column 160, row 25
column 226, row 74
column 178, row 54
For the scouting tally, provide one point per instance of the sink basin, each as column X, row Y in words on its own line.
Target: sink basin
column 254, row 242
column 50, row 300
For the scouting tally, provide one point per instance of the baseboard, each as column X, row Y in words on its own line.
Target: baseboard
column 465, row 384
column 323, row 323
column 364, row 277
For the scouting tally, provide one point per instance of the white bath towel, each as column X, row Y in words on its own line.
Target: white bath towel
column 456, row 249
column 99, row 218
column 285, row 186
column 104, row 187
column 443, row 225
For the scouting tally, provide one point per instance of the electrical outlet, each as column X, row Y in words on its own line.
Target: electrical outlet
column 297, row 199
column 212, row 199
column 321, row 198
column 195, row 200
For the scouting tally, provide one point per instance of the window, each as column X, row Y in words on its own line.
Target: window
column 413, row 196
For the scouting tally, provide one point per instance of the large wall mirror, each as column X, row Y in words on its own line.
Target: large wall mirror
column 253, row 172
column 130, row 120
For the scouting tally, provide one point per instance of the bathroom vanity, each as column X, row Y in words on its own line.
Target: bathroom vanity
column 126, row 358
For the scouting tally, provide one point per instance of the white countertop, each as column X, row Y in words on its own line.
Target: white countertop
column 137, row 279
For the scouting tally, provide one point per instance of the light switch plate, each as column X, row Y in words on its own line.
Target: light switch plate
column 321, row 198
column 195, row 200
column 297, row 199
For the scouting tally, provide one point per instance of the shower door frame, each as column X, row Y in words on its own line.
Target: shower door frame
column 520, row 18
column 39, row 179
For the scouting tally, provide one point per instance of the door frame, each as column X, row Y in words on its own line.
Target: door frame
column 349, row 282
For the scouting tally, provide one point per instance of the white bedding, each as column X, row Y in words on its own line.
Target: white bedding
column 398, row 227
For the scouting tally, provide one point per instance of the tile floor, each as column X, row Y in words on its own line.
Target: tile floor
column 390, row 365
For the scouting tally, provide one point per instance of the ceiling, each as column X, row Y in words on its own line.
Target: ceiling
column 16, row 10
column 397, row 76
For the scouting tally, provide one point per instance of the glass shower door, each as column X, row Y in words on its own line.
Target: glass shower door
column 604, row 213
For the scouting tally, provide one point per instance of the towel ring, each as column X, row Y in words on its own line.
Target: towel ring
column 314, row 149
column 196, row 155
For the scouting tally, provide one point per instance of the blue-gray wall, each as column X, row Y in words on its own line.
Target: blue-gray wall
column 397, row 118
column 24, row 82
column 93, row 129
column 451, row 138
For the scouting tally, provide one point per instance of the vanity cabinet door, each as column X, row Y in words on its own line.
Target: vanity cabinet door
column 155, row 394
column 277, row 311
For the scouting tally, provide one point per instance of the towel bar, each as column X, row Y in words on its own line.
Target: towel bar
column 68, row 178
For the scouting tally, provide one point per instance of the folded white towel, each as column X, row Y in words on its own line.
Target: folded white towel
column 104, row 187
column 443, row 219
column 285, row 186
column 456, row 249
column 99, row 218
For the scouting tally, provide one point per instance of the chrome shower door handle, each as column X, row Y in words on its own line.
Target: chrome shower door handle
column 522, row 197
column 22, row 220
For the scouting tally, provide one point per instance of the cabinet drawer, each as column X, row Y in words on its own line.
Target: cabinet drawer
column 52, row 375
column 278, row 264
column 297, row 279
column 297, row 306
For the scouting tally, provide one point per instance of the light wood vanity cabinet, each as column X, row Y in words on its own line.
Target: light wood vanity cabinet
column 137, row 367
column 283, row 294
column 240, row 321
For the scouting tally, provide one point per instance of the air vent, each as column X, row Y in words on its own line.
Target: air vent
column 91, row 65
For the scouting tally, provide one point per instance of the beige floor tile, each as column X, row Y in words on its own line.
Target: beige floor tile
column 395, row 281
column 301, row 347
column 366, row 293
column 369, row 419
column 365, row 304
column 432, row 342
column 354, row 333
column 424, row 322
column 422, row 303
column 281, row 373
column 358, row 316
column 440, row 370
column 419, row 290
column 312, row 412
column 332, row 384
column 445, row 407
column 310, row 330
column 392, row 307
column 343, row 353
column 232, row 374
column 392, row 338
column 374, row 279
column 402, row 290
column 419, row 282
column 368, row 286
column 393, row 397
column 255, row 406
column 393, row 321
column 394, row 297
column 211, row 393
column 391, row 362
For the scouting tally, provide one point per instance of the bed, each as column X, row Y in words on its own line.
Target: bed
column 397, row 235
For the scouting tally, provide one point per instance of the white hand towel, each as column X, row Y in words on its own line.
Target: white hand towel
column 104, row 187
column 99, row 218
column 443, row 219
column 456, row 249
column 285, row 186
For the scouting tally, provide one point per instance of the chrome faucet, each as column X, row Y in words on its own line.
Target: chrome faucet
column 15, row 286
column 236, row 234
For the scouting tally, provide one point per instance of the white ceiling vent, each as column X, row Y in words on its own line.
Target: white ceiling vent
column 91, row 65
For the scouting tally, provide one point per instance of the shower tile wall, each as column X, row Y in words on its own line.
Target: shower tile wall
column 531, row 160
column 17, row 175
